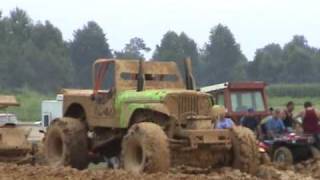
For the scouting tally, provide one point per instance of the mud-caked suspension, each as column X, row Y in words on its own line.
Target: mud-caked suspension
column 234, row 147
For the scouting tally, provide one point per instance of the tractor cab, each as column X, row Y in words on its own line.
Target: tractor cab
column 239, row 97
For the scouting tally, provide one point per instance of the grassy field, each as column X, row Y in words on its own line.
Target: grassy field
column 294, row 90
column 275, row 101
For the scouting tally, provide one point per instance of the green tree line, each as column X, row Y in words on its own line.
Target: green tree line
column 34, row 55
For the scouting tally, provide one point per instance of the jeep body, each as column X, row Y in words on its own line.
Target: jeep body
column 164, row 98
column 146, row 114
column 114, row 107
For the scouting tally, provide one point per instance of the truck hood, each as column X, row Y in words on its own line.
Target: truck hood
column 150, row 95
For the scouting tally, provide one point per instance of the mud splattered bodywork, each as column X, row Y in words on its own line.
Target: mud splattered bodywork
column 164, row 93
column 131, row 97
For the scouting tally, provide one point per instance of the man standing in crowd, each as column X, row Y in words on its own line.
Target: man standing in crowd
column 249, row 120
column 288, row 115
column 310, row 124
column 262, row 127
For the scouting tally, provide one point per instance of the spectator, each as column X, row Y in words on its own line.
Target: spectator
column 275, row 124
column 311, row 117
column 288, row 115
column 262, row 125
column 223, row 122
column 249, row 120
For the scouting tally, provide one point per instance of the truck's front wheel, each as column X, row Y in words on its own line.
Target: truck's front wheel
column 66, row 143
column 145, row 149
column 245, row 150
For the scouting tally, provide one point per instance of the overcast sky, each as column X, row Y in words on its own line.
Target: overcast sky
column 254, row 23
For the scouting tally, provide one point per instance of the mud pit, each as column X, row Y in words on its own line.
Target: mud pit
column 303, row 171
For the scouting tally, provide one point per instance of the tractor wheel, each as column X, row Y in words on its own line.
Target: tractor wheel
column 145, row 148
column 245, row 150
column 66, row 143
column 283, row 155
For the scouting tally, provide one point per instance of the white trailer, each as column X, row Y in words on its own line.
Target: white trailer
column 51, row 109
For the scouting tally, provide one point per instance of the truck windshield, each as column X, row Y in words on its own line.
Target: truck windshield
column 243, row 100
column 158, row 75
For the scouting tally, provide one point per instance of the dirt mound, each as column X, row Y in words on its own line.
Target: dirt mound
column 310, row 167
column 307, row 170
column 278, row 173
column 28, row 172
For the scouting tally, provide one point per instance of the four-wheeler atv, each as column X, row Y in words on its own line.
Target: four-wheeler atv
column 290, row 148
column 144, row 113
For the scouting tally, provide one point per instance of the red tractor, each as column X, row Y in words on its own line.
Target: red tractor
column 238, row 97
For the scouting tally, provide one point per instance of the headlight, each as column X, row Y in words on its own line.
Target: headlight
column 262, row 150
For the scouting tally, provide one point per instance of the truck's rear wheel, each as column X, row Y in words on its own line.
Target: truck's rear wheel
column 66, row 143
column 145, row 149
column 245, row 150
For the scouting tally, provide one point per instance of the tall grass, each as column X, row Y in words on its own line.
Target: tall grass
column 280, row 94
column 279, row 102
column 294, row 90
column 30, row 104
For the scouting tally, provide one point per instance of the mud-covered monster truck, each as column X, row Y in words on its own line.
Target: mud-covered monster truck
column 144, row 113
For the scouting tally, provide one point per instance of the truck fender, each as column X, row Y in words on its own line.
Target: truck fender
column 132, row 108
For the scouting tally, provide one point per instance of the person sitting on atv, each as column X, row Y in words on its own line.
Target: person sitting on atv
column 249, row 120
column 310, row 123
column 262, row 127
column 288, row 115
column 275, row 125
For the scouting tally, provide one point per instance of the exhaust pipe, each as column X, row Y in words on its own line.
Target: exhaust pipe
column 190, row 82
column 140, row 77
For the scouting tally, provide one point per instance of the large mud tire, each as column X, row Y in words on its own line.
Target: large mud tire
column 245, row 150
column 66, row 144
column 283, row 155
column 145, row 148
column 315, row 153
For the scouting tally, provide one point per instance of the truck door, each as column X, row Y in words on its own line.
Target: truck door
column 104, row 91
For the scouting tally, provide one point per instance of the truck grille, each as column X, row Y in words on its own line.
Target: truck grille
column 184, row 105
column 187, row 105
